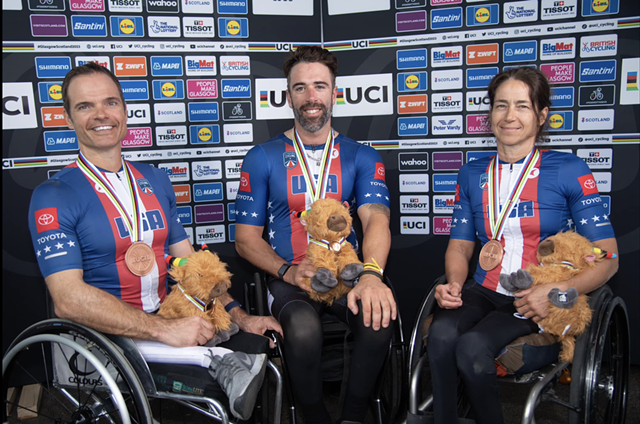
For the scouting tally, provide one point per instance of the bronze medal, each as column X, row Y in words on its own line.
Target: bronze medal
column 140, row 259
column 491, row 255
column 335, row 246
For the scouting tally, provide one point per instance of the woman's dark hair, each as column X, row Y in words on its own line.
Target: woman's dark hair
column 311, row 54
column 86, row 69
column 539, row 89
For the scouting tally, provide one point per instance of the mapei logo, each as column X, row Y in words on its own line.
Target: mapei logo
column 52, row 67
column 60, row 141
column 446, row 18
column 411, row 59
column 198, row 27
column 168, row 89
column 598, row 70
column 600, row 7
column 200, row 65
column 236, row 88
column 203, row 111
column 558, row 48
column 480, row 54
column 446, row 56
column 558, row 9
column 414, row 81
column 135, row 90
column 166, row 66
column 599, row 45
column 160, row 26
column 204, row 134
column 126, row 26
column 488, row 14
column 480, row 77
column 130, row 66
column 416, row 103
column 18, row 106
column 50, row 92
column 233, row 27
column 53, row 116
column 418, row 125
column 163, row 6
column 560, row 121
column 520, row 51
column 446, row 124
column 88, row 26
column 364, row 95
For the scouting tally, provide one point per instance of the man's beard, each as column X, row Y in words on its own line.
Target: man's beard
column 313, row 124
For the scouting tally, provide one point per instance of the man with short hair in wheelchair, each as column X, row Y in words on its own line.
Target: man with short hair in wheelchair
column 101, row 227
column 511, row 202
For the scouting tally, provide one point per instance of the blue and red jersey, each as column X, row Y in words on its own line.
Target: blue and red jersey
column 560, row 194
column 75, row 226
column 273, row 186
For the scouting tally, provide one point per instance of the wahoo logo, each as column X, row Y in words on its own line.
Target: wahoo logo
column 413, row 161
column 151, row 221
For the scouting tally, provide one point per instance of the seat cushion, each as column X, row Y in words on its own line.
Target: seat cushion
column 527, row 354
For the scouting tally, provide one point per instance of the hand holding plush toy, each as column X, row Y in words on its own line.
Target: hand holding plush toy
column 561, row 257
column 334, row 259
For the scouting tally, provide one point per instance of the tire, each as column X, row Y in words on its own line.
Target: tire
column 389, row 389
column 74, row 390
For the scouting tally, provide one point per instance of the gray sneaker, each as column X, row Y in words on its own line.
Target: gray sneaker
column 240, row 375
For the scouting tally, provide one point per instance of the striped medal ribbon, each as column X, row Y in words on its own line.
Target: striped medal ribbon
column 316, row 188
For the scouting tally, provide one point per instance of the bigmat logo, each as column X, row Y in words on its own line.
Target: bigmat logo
column 444, row 182
column 596, row 159
column 169, row 112
column 283, row 8
column 480, row 77
column 204, row 134
column 168, row 89
column 560, row 121
column 597, row 95
column 271, row 98
column 60, row 141
column 558, row 48
column 184, row 212
column 135, row 90
column 562, row 97
column 414, row 183
column 210, row 234
column 446, row 18
column 130, row 66
column 103, row 61
column 450, row 79
column 443, row 203
column 183, row 195
column 487, row 14
column 446, row 102
column 163, row 6
column 236, row 88
column 599, row 45
column 200, row 65
column 163, row 26
column 49, row 6
column 481, row 54
column 364, row 95
column 446, row 56
column 233, row 27
column 177, row 171
column 416, row 103
column 237, row 133
column 138, row 137
column 414, row 161
column 235, row 7
column 171, row 135
column 414, row 225
column 235, row 65
column 442, row 225
column 600, row 7
column 166, row 66
column 206, row 170
column 598, row 70
column 198, row 27
column 446, row 124
column 414, row 204
column 138, row 113
column 236, row 111
column 559, row 73
column 478, row 124
column 202, row 89
column 126, row 26
column 600, row 119
column 205, row 111
column 52, row 67
column 412, row 81
column 520, row 11
column 197, row 6
column 558, row 9
column 125, row 5
column 49, row 92
column 53, row 116
column 48, row 25
column 417, row 125
column 411, row 59
column 520, row 51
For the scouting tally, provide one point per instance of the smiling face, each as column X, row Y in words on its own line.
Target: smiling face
column 311, row 95
column 96, row 113
column 514, row 120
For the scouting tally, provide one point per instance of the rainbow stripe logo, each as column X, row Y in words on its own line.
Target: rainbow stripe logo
column 264, row 99
column 632, row 81
column 340, row 97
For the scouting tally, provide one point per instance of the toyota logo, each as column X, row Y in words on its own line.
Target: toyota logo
column 381, row 171
column 45, row 219
column 590, row 184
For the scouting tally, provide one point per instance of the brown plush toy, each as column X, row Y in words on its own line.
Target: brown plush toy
column 561, row 257
column 202, row 277
column 336, row 263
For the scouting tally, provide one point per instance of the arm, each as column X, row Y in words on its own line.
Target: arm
column 533, row 303
column 456, row 264
column 378, row 304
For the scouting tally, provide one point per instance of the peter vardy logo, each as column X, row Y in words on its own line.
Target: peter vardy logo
column 88, row 26
column 59, row 141
column 598, row 70
column 480, row 77
column 520, row 51
column 488, row 14
column 207, row 192
column 446, row 18
column 444, row 182
column 233, row 27
column 236, row 88
column 417, row 125
column 411, row 59
column 446, row 56
column 168, row 89
column 562, row 97
column 412, row 81
column 203, row 111
column 200, row 65
column 166, row 66
column 446, row 124
column 413, row 161
column 135, row 90
column 235, row 7
column 127, row 26
column 600, row 7
column 559, row 9
column 204, row 134
column 52, row 67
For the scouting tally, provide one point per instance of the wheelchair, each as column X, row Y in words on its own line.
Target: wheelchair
column 389, row 391
column 92, row 377
column 599, row 373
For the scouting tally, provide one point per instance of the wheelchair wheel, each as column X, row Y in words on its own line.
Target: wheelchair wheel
column 59, row 356
column 390, row 385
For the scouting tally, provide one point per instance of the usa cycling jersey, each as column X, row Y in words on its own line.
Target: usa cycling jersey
column 272, row 186
column 560, row 194
column 75, row 226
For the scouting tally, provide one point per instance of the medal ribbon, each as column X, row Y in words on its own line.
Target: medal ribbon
column 196, row 302
column 326, row 244
column 134, row 225
column 498, row 223
column 316, row 189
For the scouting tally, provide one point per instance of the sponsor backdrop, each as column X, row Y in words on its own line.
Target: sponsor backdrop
column 203, row 83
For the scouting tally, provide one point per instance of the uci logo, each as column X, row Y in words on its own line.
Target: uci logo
column 204, row 134
column 371, row 95
column 362, row 44
column 11, row 110
column 286, row 47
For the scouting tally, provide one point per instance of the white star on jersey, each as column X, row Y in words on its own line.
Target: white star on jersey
column 269, row 205
column 71, row 244
column 596, row 218
column 272, row 234
column 38, row 253
column 583, row 221
column 254, row 215
column 59, row 246
column 464, row 220
column 271, row 219
column 47, row 249
column 367, row 195
column 244, row 213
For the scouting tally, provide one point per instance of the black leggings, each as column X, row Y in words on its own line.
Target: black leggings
column 467, row 340
column 300, row 320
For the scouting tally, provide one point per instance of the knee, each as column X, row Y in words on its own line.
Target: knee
column 301, row 326
column 473, row 356
column 441, row 339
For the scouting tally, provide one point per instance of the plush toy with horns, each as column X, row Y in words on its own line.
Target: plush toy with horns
column 201, row 278
column 561, row 257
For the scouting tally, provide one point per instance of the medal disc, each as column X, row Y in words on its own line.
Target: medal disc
column 335, row 246
column 140, row 259
column 491, row 255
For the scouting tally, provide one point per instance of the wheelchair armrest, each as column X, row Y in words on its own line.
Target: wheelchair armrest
column 133, row 355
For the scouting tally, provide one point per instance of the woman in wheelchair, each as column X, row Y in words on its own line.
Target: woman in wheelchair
column 510, row 202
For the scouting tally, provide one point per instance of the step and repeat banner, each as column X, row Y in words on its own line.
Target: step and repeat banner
column 203, row 83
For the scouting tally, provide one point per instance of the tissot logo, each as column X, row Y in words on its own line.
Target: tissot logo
column 232, row 168
column 364, row 95
column 163, row 6
column 446, row 102
column 414, row 204
column 558, row 9
column 138, row 113
column 125, row 5
column 171, row 135
column 413, row 161
column 210, row 234
column 597, row 95
column 596, row 158
column 199, row 27
column 18, row 106
column 414, row 225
